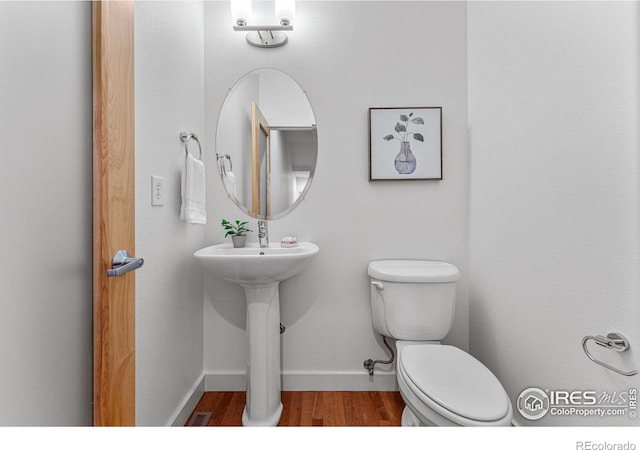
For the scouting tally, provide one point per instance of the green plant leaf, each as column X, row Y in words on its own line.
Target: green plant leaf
column 418, row 137
column 388, row 137
column 417, row 120
column 400, row 128
column 234, row 230
column 404, row 118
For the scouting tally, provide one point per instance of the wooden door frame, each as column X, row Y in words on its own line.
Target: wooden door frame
column 113, row 212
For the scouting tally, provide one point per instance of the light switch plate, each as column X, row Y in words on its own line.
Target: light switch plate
column 157, row 191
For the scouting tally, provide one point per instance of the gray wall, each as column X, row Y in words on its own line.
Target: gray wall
column 347, row 56
column 554, row 193
column 45, row 214
column 169, row 99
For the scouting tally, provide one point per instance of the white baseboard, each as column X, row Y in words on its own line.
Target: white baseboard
column 189, row 403
column 307, row 381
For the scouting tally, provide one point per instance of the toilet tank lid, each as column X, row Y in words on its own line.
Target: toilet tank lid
column 413, row 271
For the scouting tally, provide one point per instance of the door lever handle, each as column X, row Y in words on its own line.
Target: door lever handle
column 123, row 263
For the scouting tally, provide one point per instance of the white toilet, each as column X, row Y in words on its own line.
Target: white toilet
column 413, row 302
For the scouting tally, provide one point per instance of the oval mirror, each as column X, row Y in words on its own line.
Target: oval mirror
column 266, row 144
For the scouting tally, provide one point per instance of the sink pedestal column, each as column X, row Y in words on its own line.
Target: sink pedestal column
column 263, row 407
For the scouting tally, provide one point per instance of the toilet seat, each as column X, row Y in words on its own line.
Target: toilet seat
column 454, row 384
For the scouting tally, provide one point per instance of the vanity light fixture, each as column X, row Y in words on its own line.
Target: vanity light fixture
column 264, row 36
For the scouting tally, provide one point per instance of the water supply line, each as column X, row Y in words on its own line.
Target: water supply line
column 369, row 364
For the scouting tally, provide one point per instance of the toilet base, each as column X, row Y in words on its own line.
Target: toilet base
column 409, row 419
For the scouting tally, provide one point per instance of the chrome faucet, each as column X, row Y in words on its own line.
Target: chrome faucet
column 263, row 233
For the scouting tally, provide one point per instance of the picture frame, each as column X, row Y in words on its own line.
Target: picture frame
column 405, row 143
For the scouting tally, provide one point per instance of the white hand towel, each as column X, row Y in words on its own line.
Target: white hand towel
column 193, row 192
column 230, row 183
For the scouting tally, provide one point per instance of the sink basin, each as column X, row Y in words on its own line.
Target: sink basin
column 259, row 270
column 253, row 265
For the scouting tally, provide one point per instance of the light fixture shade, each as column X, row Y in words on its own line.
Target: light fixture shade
column 241, row 12
column 286, row 11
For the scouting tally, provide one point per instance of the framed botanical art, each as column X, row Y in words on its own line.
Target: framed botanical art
column 405, row 143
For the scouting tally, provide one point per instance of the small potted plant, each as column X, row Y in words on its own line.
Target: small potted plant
column 237, row 232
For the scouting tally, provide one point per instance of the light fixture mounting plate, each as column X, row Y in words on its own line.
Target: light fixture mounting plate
column 267, row 38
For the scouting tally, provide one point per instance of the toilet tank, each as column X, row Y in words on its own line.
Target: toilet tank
column 413, row 300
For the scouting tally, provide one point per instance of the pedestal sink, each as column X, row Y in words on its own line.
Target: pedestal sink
column 259, row 270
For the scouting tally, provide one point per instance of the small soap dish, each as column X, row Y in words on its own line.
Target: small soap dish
column 289, row 242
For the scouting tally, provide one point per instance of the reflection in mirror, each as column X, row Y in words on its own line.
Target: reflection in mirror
column 267, row 133
column 261, row 158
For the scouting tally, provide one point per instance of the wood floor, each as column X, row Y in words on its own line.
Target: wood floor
column 311, row 408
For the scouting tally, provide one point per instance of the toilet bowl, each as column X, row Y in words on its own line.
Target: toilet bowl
column 444, row 386
column 413, row 302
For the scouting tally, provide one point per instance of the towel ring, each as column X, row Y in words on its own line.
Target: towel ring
column 223, row 168
column 184, row 137
column 613, row 341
